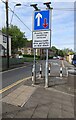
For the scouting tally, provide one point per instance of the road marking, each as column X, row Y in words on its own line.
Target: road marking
column 59, row 77
column 13, row 69
column 55, row 64
column 14, row 84
column 52, row 89
column 63, row 64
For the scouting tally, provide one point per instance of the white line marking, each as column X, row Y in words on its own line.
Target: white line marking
column 55, row 64
column 52, row 89
column 13, row 69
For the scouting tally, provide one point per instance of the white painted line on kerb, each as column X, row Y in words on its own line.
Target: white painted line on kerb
column 52, row 89
column 13, row 69
column 14, row 84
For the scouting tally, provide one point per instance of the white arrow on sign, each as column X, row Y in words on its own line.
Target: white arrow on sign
column 38, row 16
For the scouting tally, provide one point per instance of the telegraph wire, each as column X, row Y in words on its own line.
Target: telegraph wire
column 64, row 9
column 2, row 1
column 18, row 17
column 67, row 9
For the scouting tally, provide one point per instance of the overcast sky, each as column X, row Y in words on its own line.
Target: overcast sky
column 62, row 20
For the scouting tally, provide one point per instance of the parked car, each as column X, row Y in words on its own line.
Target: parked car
column 54, row 57
column 74, row 60
column 61, row 58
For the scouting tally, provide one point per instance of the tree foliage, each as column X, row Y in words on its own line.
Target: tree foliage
column 18, row 39
column 64, row 52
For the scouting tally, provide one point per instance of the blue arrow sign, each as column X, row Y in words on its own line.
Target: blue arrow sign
column 42, row 20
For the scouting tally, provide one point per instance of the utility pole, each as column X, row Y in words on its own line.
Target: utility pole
column 7, row 33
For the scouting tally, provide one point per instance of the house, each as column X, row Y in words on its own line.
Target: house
column 3, row 44
column 28, row 50
column 69, row 58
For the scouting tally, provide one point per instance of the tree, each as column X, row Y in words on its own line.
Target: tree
column 18, row 39
column 55, row 50
column 61, row 53
column 64, row 52
column 67, row 51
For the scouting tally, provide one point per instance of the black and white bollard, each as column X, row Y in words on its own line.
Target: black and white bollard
column 40, row 75
column 61, row 72
column 49, row 69
column 32, row 73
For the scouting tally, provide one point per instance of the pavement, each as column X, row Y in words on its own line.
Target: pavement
column 36, row 101
column 27, row 101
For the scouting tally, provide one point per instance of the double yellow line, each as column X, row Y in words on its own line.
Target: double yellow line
column 14, row 84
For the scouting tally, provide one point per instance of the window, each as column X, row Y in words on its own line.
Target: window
column 4, row 39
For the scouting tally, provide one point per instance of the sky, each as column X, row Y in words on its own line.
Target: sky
column 62, row 29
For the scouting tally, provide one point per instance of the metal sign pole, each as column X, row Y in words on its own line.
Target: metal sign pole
column 41, row 34
column 46, row 69
column 34, row 67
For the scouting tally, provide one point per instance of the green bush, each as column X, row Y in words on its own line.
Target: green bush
column 50, row 57
column 30, row 56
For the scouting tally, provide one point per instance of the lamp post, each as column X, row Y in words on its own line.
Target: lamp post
column 19, row 4
column 46, row 65
column 34, row 65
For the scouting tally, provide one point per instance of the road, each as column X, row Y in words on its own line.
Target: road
column 14, row 75
column 11, row 76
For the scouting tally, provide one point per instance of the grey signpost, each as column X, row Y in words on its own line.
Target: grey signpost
column 46, row 70
column 34, row 66
column 42, row 35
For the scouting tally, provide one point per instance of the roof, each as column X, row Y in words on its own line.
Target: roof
column 29, row 44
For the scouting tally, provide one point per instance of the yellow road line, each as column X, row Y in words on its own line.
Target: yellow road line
column 14, row 84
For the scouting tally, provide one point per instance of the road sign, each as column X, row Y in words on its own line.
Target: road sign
column 41, row 39
column 42, row 20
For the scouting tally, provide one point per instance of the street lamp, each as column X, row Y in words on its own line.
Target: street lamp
column 46, row 67
column 35, row 7
column 47, row 4
column 18, row 4
column 34, row 65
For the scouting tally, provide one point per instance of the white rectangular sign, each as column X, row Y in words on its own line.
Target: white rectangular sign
column 41, row 39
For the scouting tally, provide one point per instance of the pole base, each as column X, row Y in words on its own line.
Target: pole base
column 46, row 86
column 33, row 84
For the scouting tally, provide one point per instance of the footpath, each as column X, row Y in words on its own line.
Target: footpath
column 27, row 101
